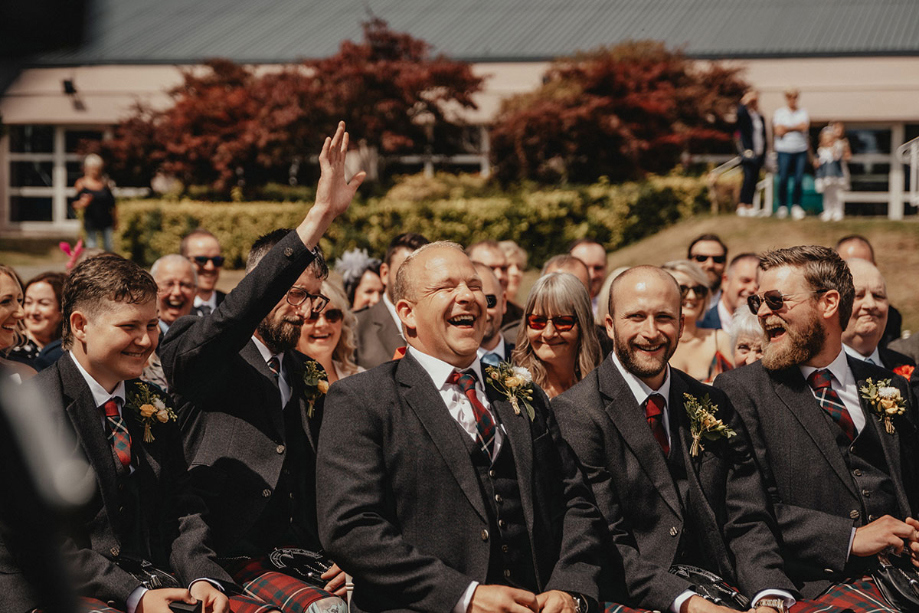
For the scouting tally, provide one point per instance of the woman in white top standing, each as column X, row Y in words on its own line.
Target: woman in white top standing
column 789, row 126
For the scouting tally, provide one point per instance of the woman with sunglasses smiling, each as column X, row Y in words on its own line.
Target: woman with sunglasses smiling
column 557, row 341
column 328, row 336
column 702, row 353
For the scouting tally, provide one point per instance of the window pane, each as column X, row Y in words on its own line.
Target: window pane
column 31, row 174
column 869, row 177
column 73, row 138
column 74, row 172
column 863, row 140
column 32, row 139
column 25, row 208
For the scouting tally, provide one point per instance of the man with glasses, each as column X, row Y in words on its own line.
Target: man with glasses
column 175, row 281
column 250, row 422
column 711, row 254
column 841, row 475
column 203, row 249
column 629, row 425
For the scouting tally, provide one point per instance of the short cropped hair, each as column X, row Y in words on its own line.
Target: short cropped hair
column 104, row 277
column 407, row 240
column 402, row 289
column 706, row 237
column 264, row 244
column 823, row 269
column 856, row 238
column 183, row 248
column 174, row 258
column 562, row 261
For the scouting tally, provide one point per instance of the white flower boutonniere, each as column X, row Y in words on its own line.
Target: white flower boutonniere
column 515, row 383
column 885, row 401
column 149, row 407
column 315, row 383
column 703, row 423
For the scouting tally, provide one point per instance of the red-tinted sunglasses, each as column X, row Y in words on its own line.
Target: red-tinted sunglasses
column 562, row 323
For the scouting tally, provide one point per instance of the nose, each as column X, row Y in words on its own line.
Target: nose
column 20, row 312
column 465, row 294
column 869, row 302
column 649, row 328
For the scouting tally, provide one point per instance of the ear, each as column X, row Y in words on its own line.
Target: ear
column 829, row 302
column 406, row 312
column 610, row 331
column 384, row 273
column 78, row 324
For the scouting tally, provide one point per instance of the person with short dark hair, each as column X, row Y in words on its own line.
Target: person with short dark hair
column 711, row 254
column 255, row 409
column 737, row 282
column 126, row 428
column 437, row 495
column 379, row 332
column 203, row 249
column 840, row 470
column 489, row 252
column 593, row 254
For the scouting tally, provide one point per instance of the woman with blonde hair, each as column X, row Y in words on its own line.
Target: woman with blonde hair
column 702, row 353
column 557, row 342
column 328, row 336
column 12, row 330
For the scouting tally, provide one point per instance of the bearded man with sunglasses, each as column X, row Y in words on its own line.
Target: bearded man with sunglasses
column 250, row 420
column 843, row 485
column 664, row 505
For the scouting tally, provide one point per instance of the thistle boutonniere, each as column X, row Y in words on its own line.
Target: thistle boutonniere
column 515, row 383
column 703, row 423
column 150, row 407
column 316, row 384
column 885, row 400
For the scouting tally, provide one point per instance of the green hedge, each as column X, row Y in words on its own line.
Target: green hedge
column 447, row 207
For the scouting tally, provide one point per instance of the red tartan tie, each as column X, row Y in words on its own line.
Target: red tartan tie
column 484, row 422
column 654, row 409
column 118, row 432
column 820, row 380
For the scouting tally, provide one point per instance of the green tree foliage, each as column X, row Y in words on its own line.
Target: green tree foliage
column 619, row 112
column 233, row 126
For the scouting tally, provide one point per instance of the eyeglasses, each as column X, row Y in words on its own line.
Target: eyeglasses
column 698, row 290
column 562, row 323
column 333, row 316
column 165, row 288
column 717, row 259
column 491, row 301
column 774, row 299
column 297, row 296
column 202, row 260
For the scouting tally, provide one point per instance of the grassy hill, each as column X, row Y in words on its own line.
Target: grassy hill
column 896, row 246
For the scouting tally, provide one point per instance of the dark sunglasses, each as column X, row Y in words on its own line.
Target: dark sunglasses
column 774, row 299
column 332, row 316
column 717, row 259
column 562, row 323
column 699, row 290
column 491, row 301
column 202, row 260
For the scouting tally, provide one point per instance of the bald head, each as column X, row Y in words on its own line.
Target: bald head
column 855, row 247
column 570, row 264
column 641, row 277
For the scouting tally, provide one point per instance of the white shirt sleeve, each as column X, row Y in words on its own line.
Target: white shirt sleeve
column 462, row 605
column 134, row 598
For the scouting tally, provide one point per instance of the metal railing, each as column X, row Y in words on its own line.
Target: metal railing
column 713, row 176
column 908, row 153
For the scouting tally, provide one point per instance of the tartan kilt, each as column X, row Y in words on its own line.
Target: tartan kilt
column 92, row 605
column 615, row 607
column 859, row 595
column 261, row 580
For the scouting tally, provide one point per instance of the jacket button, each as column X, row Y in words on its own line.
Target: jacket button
column 502, row 524
column 266, row 493
column 866, row 493
column 674, row 531
column 858, row 473
column 484, row 535
column 828, row 571
column 505, row 548
column 116, row 551
column 507, row 573
column 854, row 513
column 498, row 498
column 492, row 473
column 280, row 449
column 289, row 252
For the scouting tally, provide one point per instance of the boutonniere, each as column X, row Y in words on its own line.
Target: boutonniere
column 904, row 370
column 703, row 423
column 315, row 382
column 885, row 400
column 515, row 383
column 150, row 408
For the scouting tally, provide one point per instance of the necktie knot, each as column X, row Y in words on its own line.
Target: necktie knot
column 484, row 422
column 654, row 406
column 820, row 379
column 110, row 408
column 204, row 309
column 118, row 434
column 654, row 409
column 274, row 365
column 466, row 380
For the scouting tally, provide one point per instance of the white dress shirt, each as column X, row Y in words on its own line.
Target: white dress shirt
column 283, row 385
column 875, row 356
column 461, row 411
column 498, row 350
column 211, row 302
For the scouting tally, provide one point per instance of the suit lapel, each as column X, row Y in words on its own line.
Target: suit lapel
column 268, row 386
column 425, row 401
column 794, row 393
column 627, row 416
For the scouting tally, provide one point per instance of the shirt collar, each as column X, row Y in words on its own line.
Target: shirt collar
column 498, row 350
column 839, row 368
column 266, row 353
column 100, row 395
column 638, row 387
column 164, row 327
column 725, row 315
column 874, row 357
column 440, row 371
column 211, row 302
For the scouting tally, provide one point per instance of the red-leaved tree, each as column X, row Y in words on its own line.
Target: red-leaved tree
column 620, row 112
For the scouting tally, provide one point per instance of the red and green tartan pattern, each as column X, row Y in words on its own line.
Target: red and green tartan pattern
column 238, row 604
column 92, row 605
column 261, row 580
column 118, row 434
column 614, row 607
column 858, row 596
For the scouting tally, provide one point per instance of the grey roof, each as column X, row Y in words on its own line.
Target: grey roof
column 279, row 31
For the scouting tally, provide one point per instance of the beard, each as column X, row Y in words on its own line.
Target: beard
column 280, row 336
column 642, row 366
column 798, row 346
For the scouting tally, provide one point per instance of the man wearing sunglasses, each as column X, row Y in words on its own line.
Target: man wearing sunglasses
column 203, row 250
column 842, row 484
column 250, row 423
column 628, row 424
column 494, row 349
column 711, row 254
